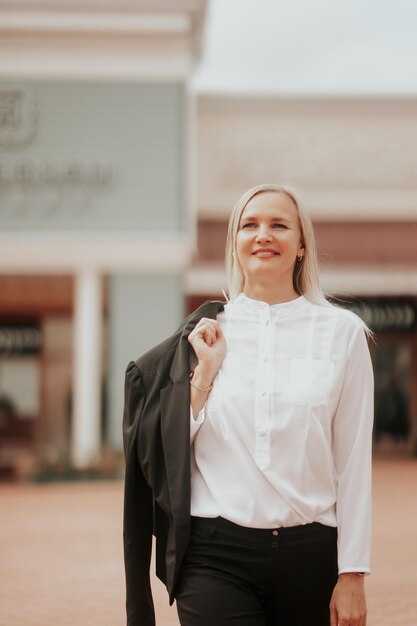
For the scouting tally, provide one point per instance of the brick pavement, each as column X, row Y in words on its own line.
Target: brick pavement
column 61, row 565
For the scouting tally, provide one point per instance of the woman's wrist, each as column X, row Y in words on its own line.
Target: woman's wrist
column 352, row 575
column 203, row 375
column 197, row 386
column 201, row 383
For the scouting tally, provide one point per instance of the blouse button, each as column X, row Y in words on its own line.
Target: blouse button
column 262, row 432
column 275, row 533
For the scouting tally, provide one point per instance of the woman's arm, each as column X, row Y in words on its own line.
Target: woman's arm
column 352, row 449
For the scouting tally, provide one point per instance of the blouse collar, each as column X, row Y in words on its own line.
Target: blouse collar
column 249, row 305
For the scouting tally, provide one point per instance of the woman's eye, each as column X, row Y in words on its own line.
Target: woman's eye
column 275, row 225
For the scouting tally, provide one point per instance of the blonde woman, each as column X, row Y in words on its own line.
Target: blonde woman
column 271, row 525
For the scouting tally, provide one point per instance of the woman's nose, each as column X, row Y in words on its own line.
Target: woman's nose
column 263, row 234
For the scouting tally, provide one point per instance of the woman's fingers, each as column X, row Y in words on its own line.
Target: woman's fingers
column 206, row 329
column 208, row 341
column 333, row 615
column 207, row 322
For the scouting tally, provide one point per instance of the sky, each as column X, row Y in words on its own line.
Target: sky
column 309, row 47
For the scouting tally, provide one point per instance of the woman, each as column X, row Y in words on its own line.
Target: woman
column 281, row 398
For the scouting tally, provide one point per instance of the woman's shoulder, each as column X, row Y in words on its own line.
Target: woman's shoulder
column 342, row 316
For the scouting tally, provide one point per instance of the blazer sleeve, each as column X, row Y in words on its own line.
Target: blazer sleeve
column 138, row 507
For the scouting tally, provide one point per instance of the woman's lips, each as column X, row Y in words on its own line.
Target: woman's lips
column 265, row 252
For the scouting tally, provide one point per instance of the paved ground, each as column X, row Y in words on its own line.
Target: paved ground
column 60, row 553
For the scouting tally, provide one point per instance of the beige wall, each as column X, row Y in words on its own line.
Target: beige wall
column 351, row 158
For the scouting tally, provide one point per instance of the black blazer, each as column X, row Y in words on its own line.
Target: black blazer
column 156, row 440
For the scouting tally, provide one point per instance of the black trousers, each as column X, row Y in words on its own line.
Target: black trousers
column 238, row 576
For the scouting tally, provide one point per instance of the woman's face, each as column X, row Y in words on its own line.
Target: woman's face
column 268, row 238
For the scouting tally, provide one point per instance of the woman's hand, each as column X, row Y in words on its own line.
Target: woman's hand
column 348, row 604
column 209, row 345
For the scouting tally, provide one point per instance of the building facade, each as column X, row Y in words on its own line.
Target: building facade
column 97, row 217
column 116, row 183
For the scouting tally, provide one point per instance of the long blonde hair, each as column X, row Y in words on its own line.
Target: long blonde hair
column 306, row 273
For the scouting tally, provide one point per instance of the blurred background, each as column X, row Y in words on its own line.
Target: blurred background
column 128, row 129
column 127, row 132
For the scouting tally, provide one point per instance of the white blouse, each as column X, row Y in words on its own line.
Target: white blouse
column 285, row 436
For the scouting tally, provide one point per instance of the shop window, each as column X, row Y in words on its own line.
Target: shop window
column 392, row 363
column 20, row 386
column 20, row 374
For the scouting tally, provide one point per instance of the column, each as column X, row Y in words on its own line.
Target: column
column 86, row 435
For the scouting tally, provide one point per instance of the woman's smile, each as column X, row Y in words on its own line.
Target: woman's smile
column 265, row 253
